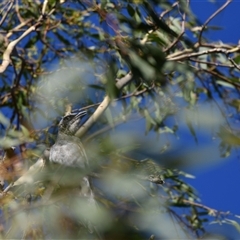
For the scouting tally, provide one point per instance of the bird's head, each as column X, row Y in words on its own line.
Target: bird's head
column 71, row 122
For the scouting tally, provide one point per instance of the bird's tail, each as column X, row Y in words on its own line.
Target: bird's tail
column 87, row 193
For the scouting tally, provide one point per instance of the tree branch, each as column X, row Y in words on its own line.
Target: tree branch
column 6, row 13
column 206, row 52
column 6, row 55
column 208, row 20
column 103, row 106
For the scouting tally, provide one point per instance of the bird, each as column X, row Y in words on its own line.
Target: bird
column 68, row 154
column 68, row 149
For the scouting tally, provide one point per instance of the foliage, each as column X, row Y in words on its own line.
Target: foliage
column 153, row 63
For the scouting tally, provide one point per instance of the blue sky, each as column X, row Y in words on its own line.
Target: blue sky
column 218, row 184
column 216, row 181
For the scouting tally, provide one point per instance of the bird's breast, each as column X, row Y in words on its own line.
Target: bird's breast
column 68, row 154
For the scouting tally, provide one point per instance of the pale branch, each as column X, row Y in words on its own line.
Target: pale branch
column 123, row 119
column 212, row 211
column 99, row 111
column 206, row 52
column 169, row 10
column 212, row 63
column 144, row 40
column 190, row 51
column 180, row 53
column 44, row 6
column 232, row 61
column 17, row 28
column 103, row 106
column 6, row 55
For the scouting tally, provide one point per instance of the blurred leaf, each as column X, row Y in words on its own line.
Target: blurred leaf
column 234, row 223
column 4, row 120
column 109, row 117
column 191, row 128
column 141, row 67
column 225, row 84
column 228, row 137
column 187, row 175
column 188, row 91
column 235, row 103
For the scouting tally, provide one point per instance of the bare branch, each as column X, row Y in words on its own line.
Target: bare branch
column 212, row 72
column 180, row 35
column 44, row 6
column 212, row 63
column 17, row 28
column 209, row 19
column 169, row 10
column 195, row 54
column 232, row 61
column 6, row 55
column 103, row 106
column 6, row 13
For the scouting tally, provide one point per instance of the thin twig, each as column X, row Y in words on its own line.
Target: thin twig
column 212, row 63
column 180, row 35
column 17, row 28
column 233, row 62
column 169, row 10
column 44, row 6
column 195, row 54
column 7, row 12
column 209, row 19
column 216, row 74
column 6, row 55
column 102, row 107
column 213, row 211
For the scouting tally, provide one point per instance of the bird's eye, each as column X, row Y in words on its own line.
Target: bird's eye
column 67, row 118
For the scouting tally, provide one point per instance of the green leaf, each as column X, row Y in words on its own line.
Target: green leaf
column 234, row 223
column 188, row 91
column 149, row 121
column 237, row 59
column 192, row 130
column 225, row 84
column 228, row 137
column 109, row 117
column 4, row 120
column 144, row 68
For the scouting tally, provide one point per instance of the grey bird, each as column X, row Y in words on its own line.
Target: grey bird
column 68, row 152
column 68, row 149
column 69, row 155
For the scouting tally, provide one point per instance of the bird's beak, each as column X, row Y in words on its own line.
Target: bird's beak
column 75, row 122
column 80, row 114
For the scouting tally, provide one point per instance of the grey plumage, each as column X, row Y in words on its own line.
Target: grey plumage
column 68, row 149
column 69, row 155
